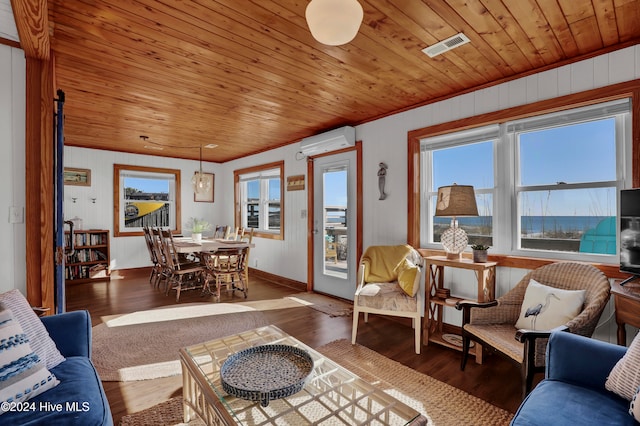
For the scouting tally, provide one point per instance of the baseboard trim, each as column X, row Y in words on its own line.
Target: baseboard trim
column 277, row 279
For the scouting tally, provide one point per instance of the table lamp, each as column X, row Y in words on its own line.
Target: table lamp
column 454, row 201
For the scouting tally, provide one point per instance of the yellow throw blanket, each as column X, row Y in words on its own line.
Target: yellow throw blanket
column 381, row 262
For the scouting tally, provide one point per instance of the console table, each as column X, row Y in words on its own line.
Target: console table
column 627, row 303
column 434, row 280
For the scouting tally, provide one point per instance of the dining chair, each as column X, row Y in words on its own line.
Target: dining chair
column 163, row 270
column 155, row 270
column 247, row 235
column 221, row 231
column 180, row 274
column 225, row 270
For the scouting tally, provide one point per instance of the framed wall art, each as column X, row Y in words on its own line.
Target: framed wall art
column 205, row 197
column 79, row 177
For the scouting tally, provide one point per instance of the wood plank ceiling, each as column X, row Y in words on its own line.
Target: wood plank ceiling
column 248, row 76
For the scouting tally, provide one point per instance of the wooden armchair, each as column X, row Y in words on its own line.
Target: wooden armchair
column 493, row 323
column 389, row 284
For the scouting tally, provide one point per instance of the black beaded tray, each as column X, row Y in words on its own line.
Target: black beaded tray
column 267, row 372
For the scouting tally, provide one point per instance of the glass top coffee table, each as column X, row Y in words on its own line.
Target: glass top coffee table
column 331, row 396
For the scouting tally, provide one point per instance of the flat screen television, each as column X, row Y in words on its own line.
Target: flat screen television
column 630, row 232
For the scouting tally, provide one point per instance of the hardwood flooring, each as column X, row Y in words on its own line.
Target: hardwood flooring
column 496, row 381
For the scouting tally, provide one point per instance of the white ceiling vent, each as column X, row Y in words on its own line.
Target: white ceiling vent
column 446, row 45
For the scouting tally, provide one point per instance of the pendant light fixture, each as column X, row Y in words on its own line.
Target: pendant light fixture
column 334, row 22
column 201, row 182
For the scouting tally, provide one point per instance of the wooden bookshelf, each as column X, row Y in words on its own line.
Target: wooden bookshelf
column 90, row 259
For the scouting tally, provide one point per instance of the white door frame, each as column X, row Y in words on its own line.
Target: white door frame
column 357, row 216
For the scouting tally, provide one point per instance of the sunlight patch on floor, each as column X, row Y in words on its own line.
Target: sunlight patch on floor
column 169, row 313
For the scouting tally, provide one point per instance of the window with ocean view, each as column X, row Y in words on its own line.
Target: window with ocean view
column 547, row 183
column 259, row 192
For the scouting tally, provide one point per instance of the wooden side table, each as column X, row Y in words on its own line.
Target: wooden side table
column 432, row 325
column 627, row 303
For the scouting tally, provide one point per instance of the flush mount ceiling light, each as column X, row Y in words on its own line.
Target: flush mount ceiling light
column 200, row 181
column 334, row 22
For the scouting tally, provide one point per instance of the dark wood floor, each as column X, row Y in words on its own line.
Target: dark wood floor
column 496, row 380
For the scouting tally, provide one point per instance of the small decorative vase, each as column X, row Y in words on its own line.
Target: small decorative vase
column 479, row 256
column 196, row 237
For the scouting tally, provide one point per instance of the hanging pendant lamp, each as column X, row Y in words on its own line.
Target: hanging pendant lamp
column 334, row 22
column 201, row 182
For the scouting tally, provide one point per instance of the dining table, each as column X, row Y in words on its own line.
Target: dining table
column 188, row 245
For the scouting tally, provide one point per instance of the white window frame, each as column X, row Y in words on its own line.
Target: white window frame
column 620, row 110
column 428, row 192
column 264, row 174
column 506, row 219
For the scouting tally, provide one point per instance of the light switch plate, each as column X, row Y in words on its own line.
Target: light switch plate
column 16, row 214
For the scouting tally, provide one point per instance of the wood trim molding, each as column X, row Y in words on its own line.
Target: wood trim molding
column 521, row 262
column 360, row 206
column 278, row 279
column 10, row 43
column 616, row 91
column 635, row 137
column 117, row 232
column 310, row 225
column 39, row 190
column 32, row 22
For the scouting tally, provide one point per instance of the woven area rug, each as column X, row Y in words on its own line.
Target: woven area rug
column 441, row 403
column 144, row 345
column 325, row 304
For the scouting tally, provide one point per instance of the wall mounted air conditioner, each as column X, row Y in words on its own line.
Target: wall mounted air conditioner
column 332, row 140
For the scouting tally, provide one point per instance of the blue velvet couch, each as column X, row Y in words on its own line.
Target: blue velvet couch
column 80, row 392
column 573, row 391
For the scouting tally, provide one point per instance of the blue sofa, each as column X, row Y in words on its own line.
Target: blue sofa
column 80, row 394
column 573, row 391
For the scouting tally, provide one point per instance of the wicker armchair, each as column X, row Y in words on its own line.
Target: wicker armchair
column 493, row 323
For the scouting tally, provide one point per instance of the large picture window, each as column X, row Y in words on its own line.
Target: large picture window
column 259, row 202
column 145, row 196
column 545, row 184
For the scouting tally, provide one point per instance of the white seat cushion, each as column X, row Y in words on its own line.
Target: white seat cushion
column 385, row 296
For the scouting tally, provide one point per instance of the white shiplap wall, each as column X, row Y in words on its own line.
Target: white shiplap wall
column 12, row 168
column 131, row 252
column 8, row 28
